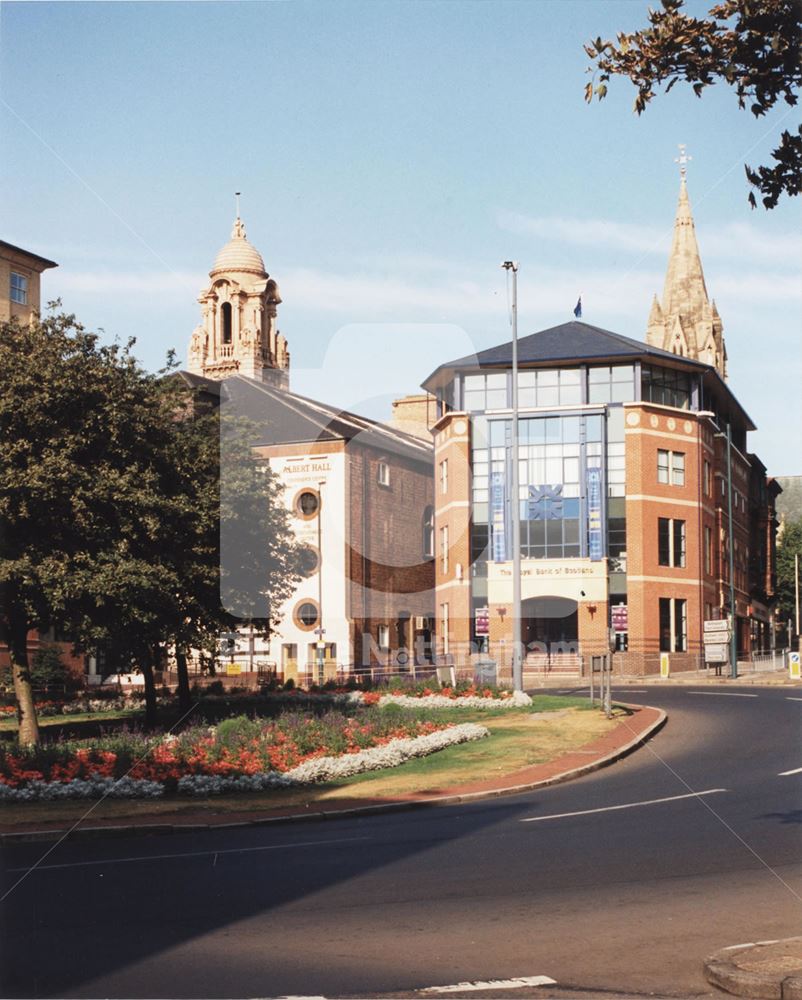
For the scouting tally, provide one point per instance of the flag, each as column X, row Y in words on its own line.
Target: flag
column 578, row 308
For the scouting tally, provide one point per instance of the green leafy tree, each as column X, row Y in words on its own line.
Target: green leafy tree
column 109, row 506
column 790, row 546
column 751, row 45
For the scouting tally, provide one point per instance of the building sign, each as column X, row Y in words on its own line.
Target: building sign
column 620, row 617
column 545, row 503
column 497, row 517
column 595, row 541
column 482, row 625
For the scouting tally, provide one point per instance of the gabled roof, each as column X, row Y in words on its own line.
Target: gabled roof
column 283, row 417
column 569, row 342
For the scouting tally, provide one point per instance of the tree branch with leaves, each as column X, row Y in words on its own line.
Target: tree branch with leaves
column 751, row 45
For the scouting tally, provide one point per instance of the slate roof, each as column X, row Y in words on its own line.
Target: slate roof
column 574, row 341
column 283, row 417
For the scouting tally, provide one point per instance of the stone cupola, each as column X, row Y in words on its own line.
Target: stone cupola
column 237, row 334
column 687, row 322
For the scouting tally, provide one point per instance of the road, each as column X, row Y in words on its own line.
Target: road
column 562, row 882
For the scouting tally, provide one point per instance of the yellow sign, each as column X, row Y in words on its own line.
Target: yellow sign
column 665, row 665
column 233, row 669
column 793, row 666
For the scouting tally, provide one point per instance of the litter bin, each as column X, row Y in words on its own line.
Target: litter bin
column 485, row 671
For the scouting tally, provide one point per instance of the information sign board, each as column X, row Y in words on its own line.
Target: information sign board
column 717, row 652
column 717, row 625
column 619, row 616
column 233, row 669
column 482, row 621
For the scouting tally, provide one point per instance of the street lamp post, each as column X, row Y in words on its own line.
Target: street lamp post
column 731, row 542
column 320, row 630
column 517, row 664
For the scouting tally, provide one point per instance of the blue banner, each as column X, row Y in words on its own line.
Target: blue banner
column 595, row 539
column 497, row 517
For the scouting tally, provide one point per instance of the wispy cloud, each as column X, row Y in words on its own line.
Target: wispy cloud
column 736, row 240
column 128, row 282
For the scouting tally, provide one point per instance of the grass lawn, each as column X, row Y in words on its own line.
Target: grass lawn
column 9, row 725
column 519, row 738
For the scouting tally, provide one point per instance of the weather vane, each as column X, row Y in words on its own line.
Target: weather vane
column 236, row 195
column 682, row 160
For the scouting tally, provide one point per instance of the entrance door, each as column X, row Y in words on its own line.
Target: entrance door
column 550, row 623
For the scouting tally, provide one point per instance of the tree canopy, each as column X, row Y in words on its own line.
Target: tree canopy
column 751, row 45
column 110, row 505
column 790, row 545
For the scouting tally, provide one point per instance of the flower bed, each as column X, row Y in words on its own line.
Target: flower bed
column 240, row 754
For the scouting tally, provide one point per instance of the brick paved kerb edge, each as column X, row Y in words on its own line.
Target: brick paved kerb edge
column 631, row 733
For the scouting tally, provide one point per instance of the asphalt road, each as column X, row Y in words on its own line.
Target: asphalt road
column 560, row 883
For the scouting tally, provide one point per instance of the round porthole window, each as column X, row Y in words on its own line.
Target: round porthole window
column 307, row 504
column 306, row 615
column 309, row 560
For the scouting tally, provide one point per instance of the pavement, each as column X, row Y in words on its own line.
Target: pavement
column 761, row 969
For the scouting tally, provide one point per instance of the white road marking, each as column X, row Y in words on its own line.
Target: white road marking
column 626, row 805
column 783, row 774
column 493, row 984
column 723, row 694
column 793, row 699
column 100, row 862
column 631, row 690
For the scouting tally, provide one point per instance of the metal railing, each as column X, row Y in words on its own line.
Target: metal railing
column 764, row 663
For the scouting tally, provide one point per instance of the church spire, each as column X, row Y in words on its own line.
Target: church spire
column 686, row 324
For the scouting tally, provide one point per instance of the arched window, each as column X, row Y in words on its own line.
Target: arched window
column 428, row 532
column 225, row 315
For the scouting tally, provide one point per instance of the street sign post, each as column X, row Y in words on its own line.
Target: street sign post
column 665, row 665
column 793, row 666
column 716, row 652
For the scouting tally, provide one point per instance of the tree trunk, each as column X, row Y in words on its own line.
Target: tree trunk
column 184, row 696
column 151, row 713
column 14, row 634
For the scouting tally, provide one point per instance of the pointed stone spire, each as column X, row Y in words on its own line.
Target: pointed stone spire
column 684, row 292
column 686, row 323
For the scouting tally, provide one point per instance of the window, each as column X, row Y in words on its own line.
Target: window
column 309, row 560
column 611, row 384
column 444, row 476
column 673, row 625
column 225, row 319
column 383, row 635
column 708, row 549
column 306, row 615
column 485, row 392
column 671, row 467
column 549, row 387
column 677, row 468
column 307, row 504
column 383, row 474
column 19, row 288
column 666, row 387
column 444, row 627
column 670, row 542
column 428, row 532
column 707, row 480
column 444, row 549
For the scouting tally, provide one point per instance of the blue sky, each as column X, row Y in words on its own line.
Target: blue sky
column 390, row 155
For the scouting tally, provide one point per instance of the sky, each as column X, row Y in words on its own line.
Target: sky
column 390, row 156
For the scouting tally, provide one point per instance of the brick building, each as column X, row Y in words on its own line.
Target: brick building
column 359, row 492
column 623, row 477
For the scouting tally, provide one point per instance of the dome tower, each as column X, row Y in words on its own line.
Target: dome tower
column 237, row 334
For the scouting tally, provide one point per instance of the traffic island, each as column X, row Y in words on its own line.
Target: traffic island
column 449, row 778
column 762, row 970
